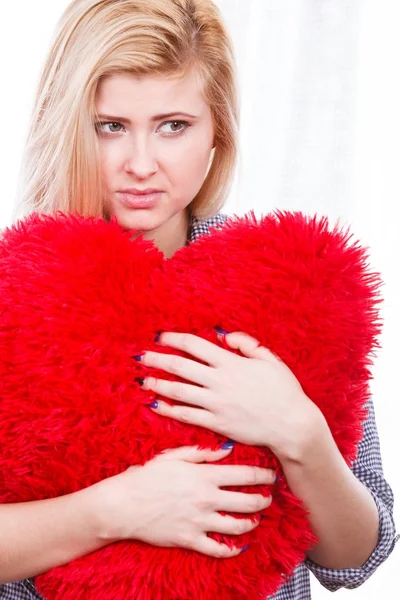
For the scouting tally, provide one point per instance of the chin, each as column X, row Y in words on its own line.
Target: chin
column 139, row 219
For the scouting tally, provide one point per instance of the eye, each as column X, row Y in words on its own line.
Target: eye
column 112, row 125
column 174, row 127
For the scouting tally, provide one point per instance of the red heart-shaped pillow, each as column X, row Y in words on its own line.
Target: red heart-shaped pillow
column 78, row 299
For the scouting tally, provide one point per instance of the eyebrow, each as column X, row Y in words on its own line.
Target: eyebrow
column 155, row 118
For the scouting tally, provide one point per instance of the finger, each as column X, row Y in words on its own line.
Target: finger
column 231, row 525
column 238, row 502
column 184, row 368
column 225, row 475
column 194, row 345
column 185, row 414
column 195, row 454
column 210, row 547
column 249, row 346
column 182, row 392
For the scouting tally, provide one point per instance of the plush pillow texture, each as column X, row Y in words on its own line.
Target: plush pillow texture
column 79, row 298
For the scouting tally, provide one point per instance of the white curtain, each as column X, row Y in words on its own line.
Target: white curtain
column 297, row 65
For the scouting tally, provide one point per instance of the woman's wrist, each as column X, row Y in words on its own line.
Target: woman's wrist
column 305, row 429
column 100, row 506
column 114, row 508
column 88, row 504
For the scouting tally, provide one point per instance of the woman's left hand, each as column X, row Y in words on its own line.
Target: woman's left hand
column 253, row 399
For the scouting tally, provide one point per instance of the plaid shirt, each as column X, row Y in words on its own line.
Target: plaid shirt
column 367, row 468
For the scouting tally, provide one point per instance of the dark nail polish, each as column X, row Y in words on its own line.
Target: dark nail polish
column 139, row 380
column 221, row 331
column 154, row 404
column 244, row 549
column 158, row 335
column 138, row 357
column 228, row 446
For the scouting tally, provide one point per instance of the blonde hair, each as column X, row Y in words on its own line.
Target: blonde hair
column 98, row 38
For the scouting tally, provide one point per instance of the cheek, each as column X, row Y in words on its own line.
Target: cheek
column 109, row 161
column 187, row 165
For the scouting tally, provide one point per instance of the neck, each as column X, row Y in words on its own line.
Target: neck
column 172, row 235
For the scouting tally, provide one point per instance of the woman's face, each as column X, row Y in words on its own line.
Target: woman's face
column 155, row 136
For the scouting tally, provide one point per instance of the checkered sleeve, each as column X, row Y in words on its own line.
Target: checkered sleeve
column 19, row 590
column 368, row 469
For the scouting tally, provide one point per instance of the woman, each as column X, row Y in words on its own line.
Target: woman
column 136, row 118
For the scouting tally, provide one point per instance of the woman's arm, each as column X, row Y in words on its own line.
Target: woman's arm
column 368, row 470
column 342, row 511
column 36, row 536
column 161, row 503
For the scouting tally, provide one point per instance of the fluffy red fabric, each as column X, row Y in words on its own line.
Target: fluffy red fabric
column 78, row 299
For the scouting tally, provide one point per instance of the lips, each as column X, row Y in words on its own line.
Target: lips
column 139, row 198
column 138, row 192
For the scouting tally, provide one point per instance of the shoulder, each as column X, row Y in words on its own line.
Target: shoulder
column 200, row 227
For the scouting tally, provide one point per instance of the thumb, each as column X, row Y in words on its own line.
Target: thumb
column 249, row 346
column 195, row 454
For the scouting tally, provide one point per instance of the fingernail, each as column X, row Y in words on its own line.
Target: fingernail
column 228, row 445
column 158, row 335
column 154, row 404
column 221, row 331
column 244, row 548
column 138, row 357
column 139, row 380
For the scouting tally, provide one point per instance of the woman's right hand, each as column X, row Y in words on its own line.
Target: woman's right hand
column 174, row 500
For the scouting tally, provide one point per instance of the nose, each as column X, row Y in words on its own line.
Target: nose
column 140, row 159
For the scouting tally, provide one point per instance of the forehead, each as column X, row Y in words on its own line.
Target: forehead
column 150, row 94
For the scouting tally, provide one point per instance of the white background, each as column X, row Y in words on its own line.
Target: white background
column 320, row 83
